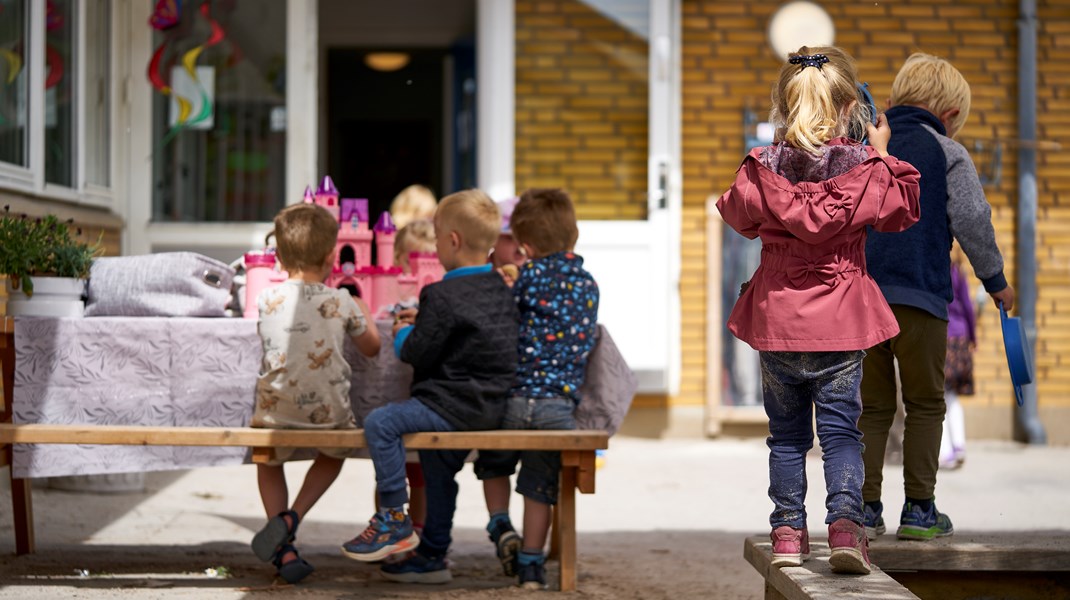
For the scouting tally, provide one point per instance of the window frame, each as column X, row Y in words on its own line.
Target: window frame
column 31, row 179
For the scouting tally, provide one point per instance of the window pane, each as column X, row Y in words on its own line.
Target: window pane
column 582, row 103
column 59, row 92
column 14, row 93
column 219, row 137
column 97, row 92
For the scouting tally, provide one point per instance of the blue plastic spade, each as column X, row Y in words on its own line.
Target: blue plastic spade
column 1019, row 362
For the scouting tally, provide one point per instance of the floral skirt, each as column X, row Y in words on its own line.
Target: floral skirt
column 958, row 368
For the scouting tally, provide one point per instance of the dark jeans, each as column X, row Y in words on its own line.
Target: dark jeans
column 440, row 472
column 794, row 383
column 383, row 429
column 539, row 471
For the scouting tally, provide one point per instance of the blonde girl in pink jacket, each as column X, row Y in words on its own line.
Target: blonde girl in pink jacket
column 810, row 308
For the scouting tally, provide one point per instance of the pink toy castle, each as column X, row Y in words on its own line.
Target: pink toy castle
column 383, row 285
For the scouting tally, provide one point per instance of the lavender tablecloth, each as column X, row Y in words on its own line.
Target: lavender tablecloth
column 199, row 372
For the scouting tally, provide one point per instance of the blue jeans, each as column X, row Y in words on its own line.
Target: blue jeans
column 440, row 484
column 383, row 429
column 793, row 384
column 539, row 471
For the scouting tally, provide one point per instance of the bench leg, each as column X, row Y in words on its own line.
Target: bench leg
column 21, row 500
column 566, row 528
column 22, row 504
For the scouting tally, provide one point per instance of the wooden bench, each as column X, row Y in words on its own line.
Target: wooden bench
column 577, row 460
column 577, row 453
column 1024, row 566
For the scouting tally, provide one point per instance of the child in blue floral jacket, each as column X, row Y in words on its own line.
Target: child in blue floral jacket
column 558, row 304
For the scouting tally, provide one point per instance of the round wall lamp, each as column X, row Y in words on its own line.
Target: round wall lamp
column 800, row 23
column 386, row 61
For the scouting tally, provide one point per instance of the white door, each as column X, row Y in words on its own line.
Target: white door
column 634, row 258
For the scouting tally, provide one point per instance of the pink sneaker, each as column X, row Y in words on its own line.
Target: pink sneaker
column 790, row 546
column 850, row 547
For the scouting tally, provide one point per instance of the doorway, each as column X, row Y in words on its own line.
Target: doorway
column 399, row 97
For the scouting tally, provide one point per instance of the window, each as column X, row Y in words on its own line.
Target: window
column 219, row 136
column 14, row 82
column 55, row 98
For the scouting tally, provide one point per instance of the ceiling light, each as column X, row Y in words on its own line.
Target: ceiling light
column 387, row 61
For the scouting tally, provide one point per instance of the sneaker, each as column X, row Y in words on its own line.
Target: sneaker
column 790, row 546
column 918, row 524
column 872, row 519
column 849, row 546
column 532, row 576
column 506, row 546
column 382, row 538
column 417, row 568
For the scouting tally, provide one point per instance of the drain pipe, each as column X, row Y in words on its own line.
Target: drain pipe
column 1027, row 425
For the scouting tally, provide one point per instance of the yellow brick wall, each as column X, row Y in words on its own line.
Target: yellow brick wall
column 727, row 63
column 1053, row 212
column 581, row 108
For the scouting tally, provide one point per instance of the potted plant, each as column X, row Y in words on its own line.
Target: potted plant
column 45, row 264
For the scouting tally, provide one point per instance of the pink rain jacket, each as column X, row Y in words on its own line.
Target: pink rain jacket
column 811, row 291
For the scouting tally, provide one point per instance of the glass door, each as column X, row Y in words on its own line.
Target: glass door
column 597, row 113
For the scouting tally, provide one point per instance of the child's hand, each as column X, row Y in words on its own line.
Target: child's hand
column 879, row 134
column 404, row 318
column 509, row 273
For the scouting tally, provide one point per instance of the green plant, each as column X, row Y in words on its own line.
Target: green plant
column 42, row 246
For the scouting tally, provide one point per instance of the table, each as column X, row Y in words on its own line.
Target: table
column 174, row 372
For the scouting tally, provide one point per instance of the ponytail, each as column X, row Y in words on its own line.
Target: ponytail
column 812, row 101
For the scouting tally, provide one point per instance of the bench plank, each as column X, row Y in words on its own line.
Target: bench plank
column 995, row 552
column 815, row 579
column 133, row 435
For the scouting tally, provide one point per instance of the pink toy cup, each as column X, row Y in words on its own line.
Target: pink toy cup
column 260, row 273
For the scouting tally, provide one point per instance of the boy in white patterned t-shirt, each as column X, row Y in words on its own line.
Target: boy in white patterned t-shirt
column 304, row 379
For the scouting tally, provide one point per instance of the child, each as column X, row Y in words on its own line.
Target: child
column 810, row 309
column 304, row 382
column 462, row 347
column 413, row 203
column 958, row 369
column 929, row 103
column 416, row 236
column 558, row 302
column 507, row 255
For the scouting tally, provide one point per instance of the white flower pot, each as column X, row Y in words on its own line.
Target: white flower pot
column 52, row 297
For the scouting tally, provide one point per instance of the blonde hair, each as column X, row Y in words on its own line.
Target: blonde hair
column 412, row 203
column 546, row 219
column 935, row 83
column 417, row 236
column 306, row 235
column 474, row 215
column 813, row 104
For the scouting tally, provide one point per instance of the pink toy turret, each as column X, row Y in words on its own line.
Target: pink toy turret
column 310, row 198
column 380, row 286
column 384, row 239
column 327, row 196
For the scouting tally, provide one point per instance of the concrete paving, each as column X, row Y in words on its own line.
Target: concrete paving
column 688, row 503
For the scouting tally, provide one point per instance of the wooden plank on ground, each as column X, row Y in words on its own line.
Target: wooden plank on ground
column 133, row 435
column 989, row 551
column 815, row 580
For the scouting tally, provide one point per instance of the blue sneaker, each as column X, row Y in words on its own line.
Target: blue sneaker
column 417, row 568
column 918, row 524
column 382, row 538
column 873, row 520
column 506, row 545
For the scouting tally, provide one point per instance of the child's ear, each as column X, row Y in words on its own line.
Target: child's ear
column 529, row 250
column 947, row 117
column 887, row 104
column 456, row 241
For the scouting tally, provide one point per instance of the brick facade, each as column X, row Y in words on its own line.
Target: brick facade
column 581, row 108
column 727, row 63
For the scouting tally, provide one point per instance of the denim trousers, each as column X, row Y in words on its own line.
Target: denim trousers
column 383, row 429
column 539, row 471
column 794, row 385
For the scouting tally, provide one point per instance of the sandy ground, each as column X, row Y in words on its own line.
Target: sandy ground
column 668, row 521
